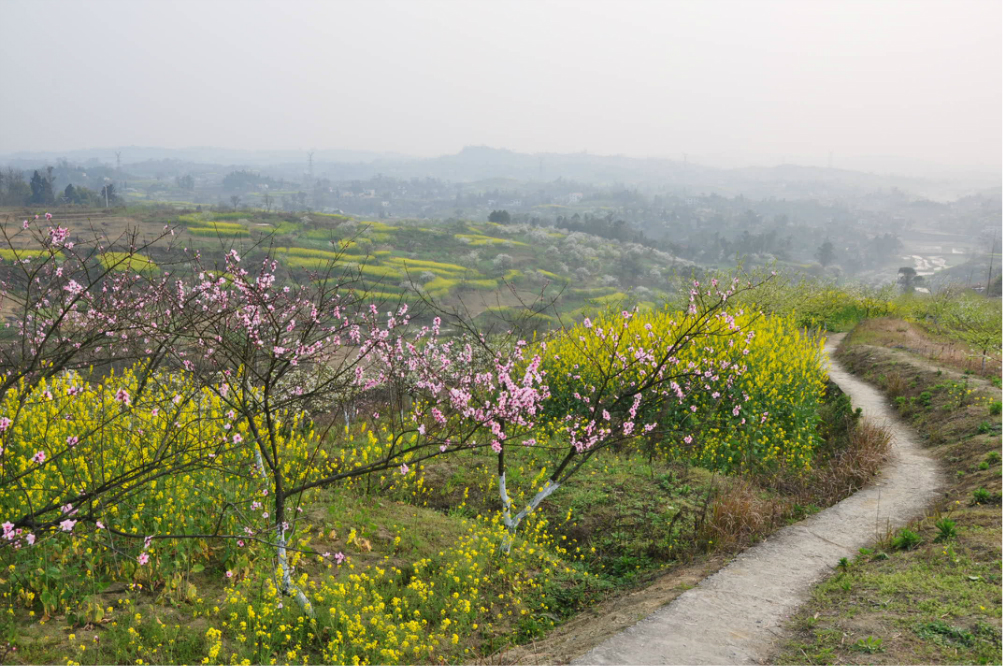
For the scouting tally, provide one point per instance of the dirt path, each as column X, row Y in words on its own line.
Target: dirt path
column 736, row 615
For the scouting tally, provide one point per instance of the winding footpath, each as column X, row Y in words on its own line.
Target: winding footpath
column 736, row 615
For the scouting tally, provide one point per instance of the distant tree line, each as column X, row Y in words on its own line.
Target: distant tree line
column 242, row 181
column 40, row 190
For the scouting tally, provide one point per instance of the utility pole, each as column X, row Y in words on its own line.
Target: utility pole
column 118, row 173
column 313, row 190
column 992, row 255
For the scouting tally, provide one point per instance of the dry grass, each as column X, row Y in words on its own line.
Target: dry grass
column 920, row 341
column 748, row 510
column 742, row 515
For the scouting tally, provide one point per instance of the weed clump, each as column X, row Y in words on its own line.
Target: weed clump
column 906, row 539
column 946, row 530
column 983, row 496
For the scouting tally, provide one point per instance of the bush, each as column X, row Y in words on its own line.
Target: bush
column 983, row 496
column 905, row 539
column 945, row 530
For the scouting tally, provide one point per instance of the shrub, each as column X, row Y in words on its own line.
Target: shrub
column 869, row 645
column 945, row 530
column 905, row 539
column 983, row 496
column 503, row 261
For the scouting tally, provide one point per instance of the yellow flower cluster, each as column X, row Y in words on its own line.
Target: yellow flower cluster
column 767, row 414
column 391, row 611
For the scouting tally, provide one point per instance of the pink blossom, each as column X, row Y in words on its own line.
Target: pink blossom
column 143, row 558
column 67, row 525
column 39, row 457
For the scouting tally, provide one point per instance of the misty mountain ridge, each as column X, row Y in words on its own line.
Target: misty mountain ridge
column 483, row 163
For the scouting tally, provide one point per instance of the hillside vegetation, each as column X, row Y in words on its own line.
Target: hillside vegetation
column 280, row 444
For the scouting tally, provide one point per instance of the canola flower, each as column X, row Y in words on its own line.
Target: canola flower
column 146, row 476
column 745, row 395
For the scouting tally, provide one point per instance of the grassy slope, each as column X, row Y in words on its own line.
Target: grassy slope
column 622, row 521
column 939, row 601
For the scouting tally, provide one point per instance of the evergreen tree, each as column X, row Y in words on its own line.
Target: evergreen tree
column 41, row 189
column 826, row 253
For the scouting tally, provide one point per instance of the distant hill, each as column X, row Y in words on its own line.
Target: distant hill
column 481, row 163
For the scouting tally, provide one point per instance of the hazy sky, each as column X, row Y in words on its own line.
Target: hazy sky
column 737, row 82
